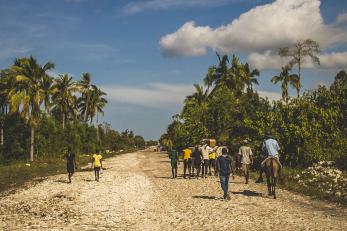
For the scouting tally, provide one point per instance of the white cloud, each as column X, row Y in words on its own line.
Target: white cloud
column 269, row 60
column 280, row 23
column 139, row 6
column 334, row 60
column 156, row 95
column 270, row 95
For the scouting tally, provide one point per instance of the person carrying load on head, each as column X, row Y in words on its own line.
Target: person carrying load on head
column 187, row 162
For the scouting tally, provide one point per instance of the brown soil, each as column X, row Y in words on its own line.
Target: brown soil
column 136, row 192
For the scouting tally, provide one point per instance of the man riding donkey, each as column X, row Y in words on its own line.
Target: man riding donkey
column 271, row 164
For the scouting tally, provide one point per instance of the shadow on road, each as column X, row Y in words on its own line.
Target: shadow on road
column 248, row 193
column 206, row 197
column 62, row 181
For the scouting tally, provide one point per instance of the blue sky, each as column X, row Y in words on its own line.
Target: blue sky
column 147, row 54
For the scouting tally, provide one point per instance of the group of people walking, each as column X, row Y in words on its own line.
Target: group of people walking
column 96, row 164
column 203, row 160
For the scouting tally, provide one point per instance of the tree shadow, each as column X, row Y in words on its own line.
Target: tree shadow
column 249, row 193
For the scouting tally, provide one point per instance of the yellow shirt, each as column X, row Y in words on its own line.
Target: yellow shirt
column 212, row 156
column 187, row 153
column 97, row 160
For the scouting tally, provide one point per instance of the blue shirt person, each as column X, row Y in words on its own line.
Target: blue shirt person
column 224, row 166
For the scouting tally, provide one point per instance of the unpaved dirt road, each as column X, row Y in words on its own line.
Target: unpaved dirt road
column 135, row 192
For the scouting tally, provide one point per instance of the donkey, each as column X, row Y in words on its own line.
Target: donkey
column 272, row 171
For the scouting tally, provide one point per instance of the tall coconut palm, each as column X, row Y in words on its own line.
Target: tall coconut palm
column 48, row 91
column 3, row 112
column 63, row 97
column 287, row 79
column 85, row 88
column 26, row 95
column 250, row 77
column 97, row 103
column 209, row 78
column 199, row 96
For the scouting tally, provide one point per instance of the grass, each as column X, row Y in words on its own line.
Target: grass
column 17, row 173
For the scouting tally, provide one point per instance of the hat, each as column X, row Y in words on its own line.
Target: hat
column 268, row 135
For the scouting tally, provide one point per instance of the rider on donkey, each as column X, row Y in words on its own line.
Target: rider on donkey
column 271, row 148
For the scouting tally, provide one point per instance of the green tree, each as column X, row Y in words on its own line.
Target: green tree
column 85, row 87
column 27, row 94
column 64, row 100
column 299, row 52
column 287, row 79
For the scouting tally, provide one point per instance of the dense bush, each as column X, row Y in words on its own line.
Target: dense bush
column 309, row 128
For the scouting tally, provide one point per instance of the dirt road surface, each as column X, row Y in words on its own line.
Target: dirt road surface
column 135, row 192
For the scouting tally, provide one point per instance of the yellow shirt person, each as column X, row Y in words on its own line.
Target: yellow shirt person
column 97, row 164
column 187, row 153
column 97, row 160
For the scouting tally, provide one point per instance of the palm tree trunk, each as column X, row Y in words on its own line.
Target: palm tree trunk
column 32, row 135
column 85, row 113
column 63, row 120
column 97, row 129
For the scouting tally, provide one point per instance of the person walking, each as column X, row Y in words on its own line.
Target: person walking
column 70, row 163
column 174, row 162
column 187, row 162
column 224, row 166
column 197, row 155
column 212, row 163
column 245, row 152
column 205, row 150
column 97, row 164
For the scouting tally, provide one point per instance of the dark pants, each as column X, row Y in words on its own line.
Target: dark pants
column 97, row 173
column 224, row 183
column 187, row 164
column 197, row 166
column 205, row 167
column 212, row 164
column 174, row 172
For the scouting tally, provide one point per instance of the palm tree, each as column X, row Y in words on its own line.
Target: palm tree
column 3, row 112
column 250, row 77
column 286, row 79
column 199, row 96
column 209, row 78
column 26, row 95
column 85, row 87
column 97, row 103
column 48, row 91
column 63, row 97
column 232, row 77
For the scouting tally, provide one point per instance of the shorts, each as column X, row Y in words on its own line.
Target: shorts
column 97, row 168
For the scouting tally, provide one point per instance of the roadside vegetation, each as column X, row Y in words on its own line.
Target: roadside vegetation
column 41, row 115
column 310, row 127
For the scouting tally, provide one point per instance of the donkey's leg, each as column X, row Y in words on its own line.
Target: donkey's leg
column 268, row 183
column 274, row 187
